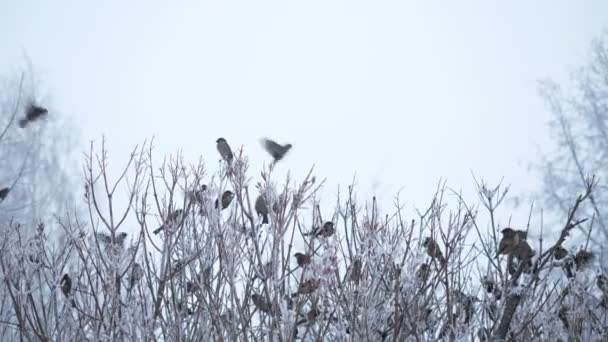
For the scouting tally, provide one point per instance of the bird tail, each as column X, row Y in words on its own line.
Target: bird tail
column 265, row 219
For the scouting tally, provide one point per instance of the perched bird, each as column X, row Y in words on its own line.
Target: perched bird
column 3, row 193
column 423, row 271
column 583, row 258
column 602, row 283
column 277, row 151
column 66, row 285
column 32, row 113
column 433, row 250
column 136, row 274
column 224, row 149
column 261, row 208
column 302, row 259
column 307, row 287
column 119, row 239
column 197, row 196
column 325, row 231
column 173, row 219
column 510, row 240
column 560, row 252
column 355, row 273
column 227, row 197
column 261, row 303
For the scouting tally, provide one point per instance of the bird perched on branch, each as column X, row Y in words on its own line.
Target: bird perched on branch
column 136, row 274
column 227, row 197
column 308, row 286
column 66, row 285
column 433, row 250
column 276, row 150
column 514, row 243
column 224, row 149
column 173, row 219
column 32, row 113
column 262, row 208
column 326, row 230
column 3, row 193
column 355, row 273
column 302, row 259
column 261, row 303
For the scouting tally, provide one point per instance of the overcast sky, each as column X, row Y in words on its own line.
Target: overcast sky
column 401, row 93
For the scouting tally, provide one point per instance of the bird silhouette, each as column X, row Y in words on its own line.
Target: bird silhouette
column 224, row 149
column 3, row 193
column 276, row 150
column 227, row 197
column 32, row 113
column 262, row 208
column 66, row 285
column 326, row 230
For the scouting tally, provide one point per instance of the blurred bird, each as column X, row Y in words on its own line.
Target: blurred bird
column 224, row 149
column 277, row 151
column 136, row 274
column 3, row 193
column 197, row 196
column 302, row 259
column 602, row 283
column 355, row 273
column 325, row 231
column 173, row 219
column 227, row 197
column 560, row 252
column 307, row 287
column 583, row 258
column 261, row 208
column 423, row 271
column 66, row 285
column 260, row 303
column 510, row 240
column 32, row 113
column 119, row 239
column 433, row 250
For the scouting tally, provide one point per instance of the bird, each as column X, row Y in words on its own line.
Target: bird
column 227, row 197
column 355, row 274
column 119, row 239
column 173, row 219
column 510, row 240
column 422, row 273
column 261, row 208
column 261, row 303
column 302, row 259
column 224, row 149
column 560, row 252
column 583, row 258
column 66, row 285
column 276, row 150
column 3, row 193
column 197, row 196
column 307, row 287
column 32, row 113
column 602, row 283
column 433, row 250
column 326, row 230
column 136, row 274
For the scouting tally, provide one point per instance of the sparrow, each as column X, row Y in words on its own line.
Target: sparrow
column 119, row 238
column 227, row 197
column 433, row 250
column 173, row 219
column 261, row 208
column 260, row 303
column 32, row 113
column 224, row 149
column 66, row 285
column 355, row 274
column 136, row 274
column 325, row 231
column 510, row 240
column 197, row 196
column 302, row 259
column 277, row 151
column 3, row 193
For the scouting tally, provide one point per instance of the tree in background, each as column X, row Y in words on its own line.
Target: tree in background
column 580, row 128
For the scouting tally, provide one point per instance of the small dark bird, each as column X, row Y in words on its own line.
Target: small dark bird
column 583, row 258
column 136, row 274
column 227, row 197
column 510, row 240
column 260, row 303
column 32, row 113
column 325, row 231
column 355, row 273
column 277, row 151
column 261, row 208
column 3, row 193
column 423, row 271
column 602, row 283
column 119, row 239
column 302, row 259
column 173, row 219
column 224, row 149
column 309, row 286
column 66, row 285
column 433, row 250
column 560, row 252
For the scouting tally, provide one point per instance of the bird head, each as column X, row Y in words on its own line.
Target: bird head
column 426, row 241
column 508, row 232
column 220, row 140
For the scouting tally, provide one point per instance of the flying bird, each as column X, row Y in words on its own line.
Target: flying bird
column 224, row 149
column 227, row 197
column 32, row 113
column 66, row 285
column 326, row 230
column 262, row 208
column 276, row 150
column 3, row 193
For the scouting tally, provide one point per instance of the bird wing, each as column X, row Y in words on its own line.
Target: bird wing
column 271, row 146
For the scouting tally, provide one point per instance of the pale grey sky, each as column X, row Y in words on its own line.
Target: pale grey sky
column 400, row 92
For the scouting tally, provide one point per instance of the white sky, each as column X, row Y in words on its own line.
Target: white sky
column 400, row 92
